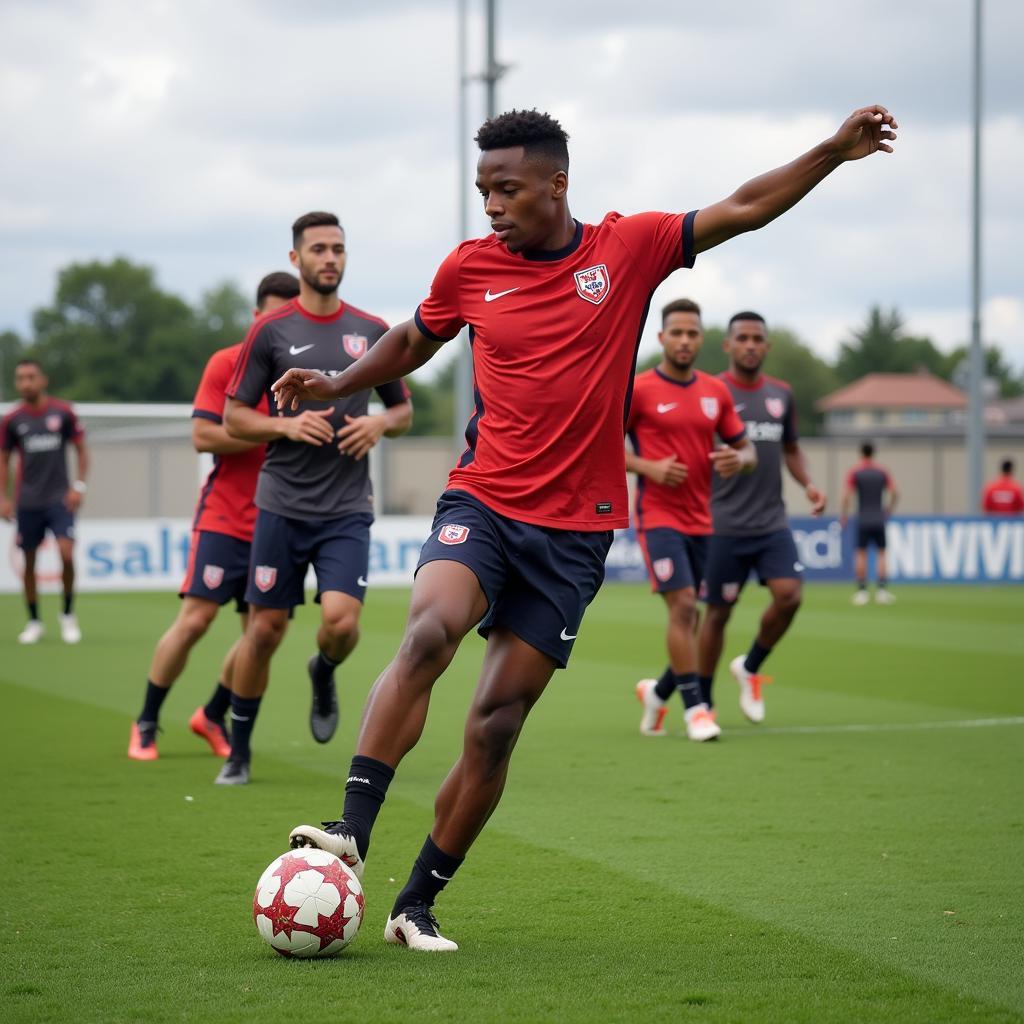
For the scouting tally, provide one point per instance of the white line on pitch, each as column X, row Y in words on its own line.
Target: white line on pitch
column 963, row 723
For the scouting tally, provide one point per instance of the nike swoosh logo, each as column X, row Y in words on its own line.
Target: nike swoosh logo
column 490, row 296
column 442, row 877
column 566, row 636
column 238, row 718
column 668, row 407
column 740, row 407
column 302, row 348
column 362, row 581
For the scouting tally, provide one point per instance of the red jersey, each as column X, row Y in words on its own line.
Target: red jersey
column 1002, row 497
column 226, row 500
column 554, row 338
column 681, row 418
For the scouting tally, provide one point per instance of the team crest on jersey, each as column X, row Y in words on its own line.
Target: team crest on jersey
column 709, row 406
column 213, row 576
column 453, row 534
column 663, row 569
column 775, row 406
column 264, row 576
column 53, row 422
column 730, row 591
column 593, row 284
column 355, row 344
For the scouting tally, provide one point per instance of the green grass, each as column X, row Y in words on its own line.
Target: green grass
column 800, row 871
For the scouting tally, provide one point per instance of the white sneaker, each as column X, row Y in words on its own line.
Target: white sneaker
column 652, row 721
column 417, row 928
column 69, row 631
column 701, row 725
column 861, row 597
column 32, row 633
column 751, row 700
column 884, row 596
column 337, row 839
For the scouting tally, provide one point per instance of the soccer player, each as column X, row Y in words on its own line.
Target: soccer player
column 556, row 308
column 314, row 499
column 41, row 428
column 1003, row 495
column 871, row 483
column 674, row 416
column 218, row 566
column 751, row 531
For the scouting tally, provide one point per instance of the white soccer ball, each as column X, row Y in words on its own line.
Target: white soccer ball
column 308, row 903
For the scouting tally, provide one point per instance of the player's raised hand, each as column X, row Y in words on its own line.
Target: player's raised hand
column 865, row 132
column 726, row 461
column 669, row 472
column 359, row 435
column 295, row 385
column 309, row 427
column 816, row 498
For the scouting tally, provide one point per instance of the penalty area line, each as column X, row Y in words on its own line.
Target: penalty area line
column 962, row 723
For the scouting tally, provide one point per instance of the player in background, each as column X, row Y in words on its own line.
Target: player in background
column 751, row 530
column 1003, row 495
column 218, row 566
column 871, row 484
column 41, row 428
column 674, row 417
column 556, row 309
column 314, row 499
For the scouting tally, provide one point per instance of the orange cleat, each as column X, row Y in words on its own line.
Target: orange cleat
column 142, row 743
column 212, row 732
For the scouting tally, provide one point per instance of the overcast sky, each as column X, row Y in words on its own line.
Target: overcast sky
column 189, row 135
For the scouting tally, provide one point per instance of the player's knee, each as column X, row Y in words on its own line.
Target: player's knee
column 428, row 644
column 266, row 632
column 788, row 600
column 494, row 732
column 717, row 615
column 683, row 611
column 195, row 621
column 342, row 626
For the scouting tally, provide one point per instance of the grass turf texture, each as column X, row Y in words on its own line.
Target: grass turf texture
column 799, row 871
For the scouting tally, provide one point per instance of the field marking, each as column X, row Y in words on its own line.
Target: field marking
column 962, row 723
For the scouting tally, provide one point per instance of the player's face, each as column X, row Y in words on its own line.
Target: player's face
column 746, row 344
column 681, row 337
column 320, row 258
column 523, row 199
column 29, row 382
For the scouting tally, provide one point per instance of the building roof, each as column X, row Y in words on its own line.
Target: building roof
column 895, row 391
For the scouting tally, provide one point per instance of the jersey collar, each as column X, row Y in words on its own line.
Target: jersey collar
column 678, row 383
column 336, row 315
column 547, row 255
column 745, row 387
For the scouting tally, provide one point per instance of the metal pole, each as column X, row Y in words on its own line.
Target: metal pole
column 976, row 399
column 463, row 405
column 493, row 72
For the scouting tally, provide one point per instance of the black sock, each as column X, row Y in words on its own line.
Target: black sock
column 323, row 669
column 33, row 609
column 862, row 584
column 69, row 600
column 688, row 685
column 243, row 720
column 217, row 706
column 705, row 690
column 755, row 656
column 367, row 785
column 666, row 685
column 155, row 696
column 432, row 871
column 881, row 583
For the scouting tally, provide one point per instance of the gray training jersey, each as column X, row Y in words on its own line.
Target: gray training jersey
column 748, row 505
column 299, row 480
column 870, row 481
column 41, row 436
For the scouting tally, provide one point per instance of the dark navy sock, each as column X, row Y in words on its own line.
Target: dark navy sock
column 155, row 696
column 323, row 669
column 688, row 685
column 666, row 685
column 243, row 720
column 365, row 789
column 33, row 609
column 755, row 656
column 69, row 600
column 706, row 683
column 217, row 706
column 432, row 871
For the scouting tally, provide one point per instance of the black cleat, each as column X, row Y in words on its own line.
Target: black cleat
column 233, row 773
column 323, row 715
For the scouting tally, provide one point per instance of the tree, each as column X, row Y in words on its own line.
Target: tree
column 1007, row 383
column 12, row 348
column 881, row 346
column 434, row 404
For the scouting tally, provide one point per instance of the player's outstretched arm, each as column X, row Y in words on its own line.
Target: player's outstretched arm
column 762, row 199
column 396, row 353
column 796, row 463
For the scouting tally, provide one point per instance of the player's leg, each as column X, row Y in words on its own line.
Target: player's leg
column 62, row 525
column 725, row 572
column 860, row 567
column 882, row 593
column 31, row 529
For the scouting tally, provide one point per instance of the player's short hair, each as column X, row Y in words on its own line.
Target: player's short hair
column 867, row 449
column 29, row 361
column 679, row 306
column 280, row 284
column 1006, row 466
column 746, row 314
column 316, row 219
column 540, row 135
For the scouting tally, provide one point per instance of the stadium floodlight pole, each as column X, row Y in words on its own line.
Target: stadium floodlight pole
column 976, row 364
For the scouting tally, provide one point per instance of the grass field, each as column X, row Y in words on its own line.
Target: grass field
column 857, row 858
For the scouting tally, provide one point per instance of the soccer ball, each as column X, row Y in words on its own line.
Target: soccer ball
column 308, row 903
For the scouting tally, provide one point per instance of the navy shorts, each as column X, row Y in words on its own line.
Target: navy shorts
column 732, row 559
column 218, row 569
column 283, row 550
column 34, row 522
column 674, row 559
column 538, row 581
column 870, row 535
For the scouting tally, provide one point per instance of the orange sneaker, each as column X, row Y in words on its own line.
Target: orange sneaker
column 751, row 697
column 652, row 722
column 212, row 732
column 142, row 743
column 700, row 725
